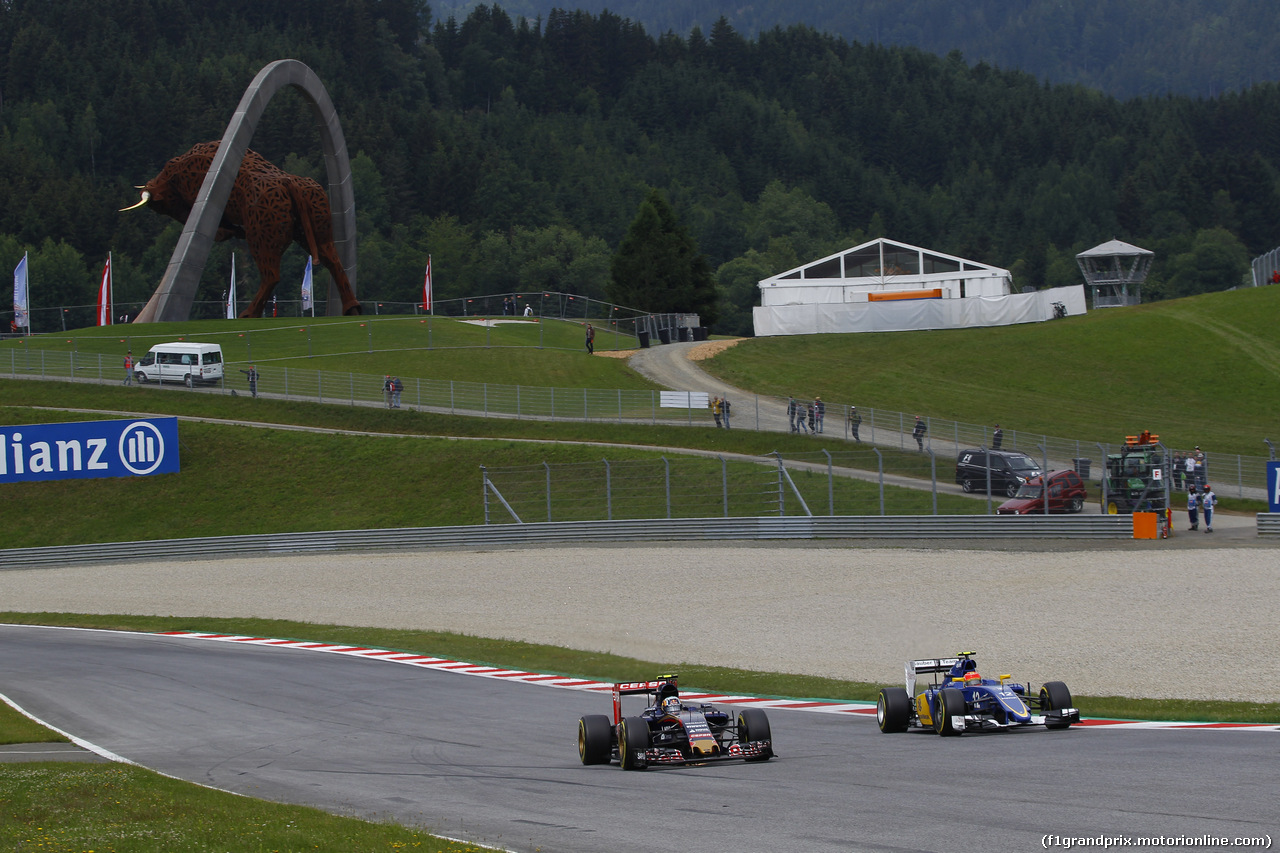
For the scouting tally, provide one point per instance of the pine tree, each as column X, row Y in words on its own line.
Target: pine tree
column 659, row 268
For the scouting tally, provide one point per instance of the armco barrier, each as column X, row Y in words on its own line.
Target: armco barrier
column 635, row 530
column 1269, row 524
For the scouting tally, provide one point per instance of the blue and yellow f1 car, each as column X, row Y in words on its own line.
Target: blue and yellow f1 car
column 960, row 700
column 670, row 732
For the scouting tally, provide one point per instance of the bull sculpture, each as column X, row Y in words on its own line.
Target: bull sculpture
column 268, row 207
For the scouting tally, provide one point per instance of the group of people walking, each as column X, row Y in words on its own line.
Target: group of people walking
column 806, row 417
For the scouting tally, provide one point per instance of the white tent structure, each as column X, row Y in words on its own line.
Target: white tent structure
column 884, row 285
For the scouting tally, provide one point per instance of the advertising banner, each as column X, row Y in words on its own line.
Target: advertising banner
column 1273, row 486
column 123, row 448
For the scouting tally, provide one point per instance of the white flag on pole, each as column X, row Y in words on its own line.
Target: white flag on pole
column 21, row 315
column 306, row 290
column 231, row 294
column 104, row 295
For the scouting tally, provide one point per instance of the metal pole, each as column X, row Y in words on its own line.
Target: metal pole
column 484, row 492
column 724, row 483
column 831, row 493
column 548, row 467
column 608, row 489
column 986, row 454
column 666, row 468
column 757, row 413
column 933, row 477
column 1102, row 450
column 1044, row 477
column 1271, row 447
column 880, row 468
column 782, row 498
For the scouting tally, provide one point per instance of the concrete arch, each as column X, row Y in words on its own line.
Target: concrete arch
column 172, row 299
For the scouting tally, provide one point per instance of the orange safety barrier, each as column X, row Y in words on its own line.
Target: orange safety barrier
column 888, row 295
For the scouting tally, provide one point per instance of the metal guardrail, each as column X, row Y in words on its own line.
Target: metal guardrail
column 562, row 532
column 1269, row 524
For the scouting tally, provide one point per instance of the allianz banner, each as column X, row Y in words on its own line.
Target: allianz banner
column 128, row 448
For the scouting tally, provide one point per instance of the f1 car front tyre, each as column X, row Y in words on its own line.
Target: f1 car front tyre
column 595, row 739
column 633, row 743
column 753, row 725
column 950, row 706
column 893, row 710
column 1054, row 696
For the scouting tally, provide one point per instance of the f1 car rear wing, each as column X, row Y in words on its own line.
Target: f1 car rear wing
column 627, row 688
column 931, row 665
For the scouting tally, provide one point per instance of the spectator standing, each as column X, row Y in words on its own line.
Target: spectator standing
column 855, row 421
column 1198, row 456
column 1208, row 500
column 386, row 389
column 1193, row 501
column 812, row 419
column 819, row 411
column 918, row 431
column 792, row 411
column 997, row 438
column 724, row 410
column 1189, row 471
column 252, row 373
column 528, row 310
column 715, row 409
column 397, row 387
column 128, row 368
column 591, row 339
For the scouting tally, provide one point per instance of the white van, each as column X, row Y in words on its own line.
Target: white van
column 181, row 362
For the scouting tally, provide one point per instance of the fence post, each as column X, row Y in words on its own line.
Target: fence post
column 1103, row 459
column 451, row 396
column 653, row 408
column 666, row 470
column 286, row 383
column 619, row 399
column 933, row 477
column 486, row 399
column 351, row 383
column 608, row 489
column 548, row 467
column 782, row 497
column 757, row 413
column 1044, row 477
column 831, row 493
column 484, row 492
column 585, row 416
column 553, row 402
column 880, row 468
column 319, row 388
column 724, row 483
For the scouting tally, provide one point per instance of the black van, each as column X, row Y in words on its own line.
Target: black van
column 1009, row 470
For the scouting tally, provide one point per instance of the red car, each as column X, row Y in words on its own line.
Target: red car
column 1066, row 494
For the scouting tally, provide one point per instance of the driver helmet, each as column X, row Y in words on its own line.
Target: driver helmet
column 972, row 677
column 671, row 705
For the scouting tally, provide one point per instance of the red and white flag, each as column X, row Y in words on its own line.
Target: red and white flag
column 426, row 287
column 104, row 295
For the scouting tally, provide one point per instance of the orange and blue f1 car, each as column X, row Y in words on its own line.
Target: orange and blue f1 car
column 669, row 731
column 960, row 700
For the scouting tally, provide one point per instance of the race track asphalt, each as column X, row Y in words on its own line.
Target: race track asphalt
column 496, row 762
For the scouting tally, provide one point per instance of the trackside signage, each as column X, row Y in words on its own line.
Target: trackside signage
column 1273, row 486
column 85, row 449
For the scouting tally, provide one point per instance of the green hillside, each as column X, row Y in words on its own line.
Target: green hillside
column 1201, row 370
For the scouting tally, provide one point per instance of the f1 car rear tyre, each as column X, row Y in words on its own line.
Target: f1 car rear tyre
column 893, row 710
column 950, row 706
column 753, row 724
column 633, row 738
column 1054, row 696
column 595, row 739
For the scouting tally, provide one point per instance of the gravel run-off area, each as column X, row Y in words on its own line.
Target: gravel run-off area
column 1195, row 624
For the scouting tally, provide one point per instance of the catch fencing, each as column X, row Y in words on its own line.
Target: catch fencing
column 862, row 482
column 1232, row 475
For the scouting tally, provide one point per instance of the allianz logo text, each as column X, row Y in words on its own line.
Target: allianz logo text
column 89, row 449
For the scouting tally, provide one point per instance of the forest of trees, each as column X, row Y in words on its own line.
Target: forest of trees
column 1121, row 47
column 519, row 152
